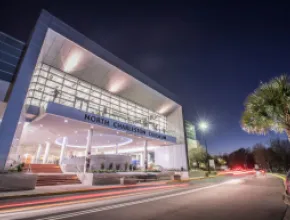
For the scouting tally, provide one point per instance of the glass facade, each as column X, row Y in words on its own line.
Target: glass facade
column 10, row 52
column 51, row 85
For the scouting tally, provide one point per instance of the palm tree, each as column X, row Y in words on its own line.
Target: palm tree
column 268, row 107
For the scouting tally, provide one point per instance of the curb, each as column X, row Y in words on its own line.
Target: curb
column 283, row 177
column 72, row 191
column 190, row 179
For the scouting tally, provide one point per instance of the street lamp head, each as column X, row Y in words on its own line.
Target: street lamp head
column 203, row 126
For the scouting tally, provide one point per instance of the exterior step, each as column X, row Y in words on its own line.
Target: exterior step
column 50, row 175
column 62, row 179
column 42, row 168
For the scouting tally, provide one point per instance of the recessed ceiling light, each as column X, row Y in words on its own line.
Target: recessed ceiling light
column 41, row 125
column 100, row 134
column 76, row 132
column 19, row 122
column 92, row 127
column 117, row 132
column 58, row 135
column 66, row 121
column 48, row 138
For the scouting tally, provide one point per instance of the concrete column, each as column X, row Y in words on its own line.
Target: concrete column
column 46, row 152
column 63, row 147
column 117, row 148
column 141, row 159
column 38, row 153
column 88, row 150
column 145, row 155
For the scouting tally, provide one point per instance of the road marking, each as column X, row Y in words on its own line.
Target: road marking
column 37, row 207
column 85, row 196
column 281, row 176
column 106, row 208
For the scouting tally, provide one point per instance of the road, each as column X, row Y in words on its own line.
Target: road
column 250, row 198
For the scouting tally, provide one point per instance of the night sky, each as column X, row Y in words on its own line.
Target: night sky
column 211, row 54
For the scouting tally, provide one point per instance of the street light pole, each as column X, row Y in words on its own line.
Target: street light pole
column 203, row 126
column 207, row 157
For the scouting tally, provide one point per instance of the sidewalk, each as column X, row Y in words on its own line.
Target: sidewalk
column 68, row 189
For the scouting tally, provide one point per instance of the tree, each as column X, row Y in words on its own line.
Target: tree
column 260, row 153
column 280, row 150
column 237, row 159
column 268, row 107
column 196, row 156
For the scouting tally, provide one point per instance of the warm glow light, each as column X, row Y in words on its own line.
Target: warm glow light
column 164, row 108
column 117, row 83
column 72, row 61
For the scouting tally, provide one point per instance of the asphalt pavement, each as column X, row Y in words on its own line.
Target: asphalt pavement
column 250, row 198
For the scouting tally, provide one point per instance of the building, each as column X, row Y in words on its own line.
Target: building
column 10, row 52
column 71, row 100
column 190, row 134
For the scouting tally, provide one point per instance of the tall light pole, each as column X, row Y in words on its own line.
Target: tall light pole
column 203, row 126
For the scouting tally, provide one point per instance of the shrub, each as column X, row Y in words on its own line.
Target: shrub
column 102, row 166
column 19, row 167
column 126, row 166
column 104, row 171
column 118, row 166
column 110, row 166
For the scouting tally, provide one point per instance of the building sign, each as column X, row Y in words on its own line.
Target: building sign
column 69, row 112
column 96, row 120
column 130, row 128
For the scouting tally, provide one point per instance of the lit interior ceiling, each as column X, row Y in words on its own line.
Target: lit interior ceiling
column 51, row 128
column 63, row 54
column 99, row 140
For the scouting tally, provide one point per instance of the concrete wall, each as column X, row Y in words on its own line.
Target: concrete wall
column 175, row 124
column 171, row 157
column 17, row 181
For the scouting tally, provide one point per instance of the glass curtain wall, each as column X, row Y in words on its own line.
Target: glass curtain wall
column 51, row 85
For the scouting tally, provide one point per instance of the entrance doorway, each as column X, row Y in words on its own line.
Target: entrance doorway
column 81, row 104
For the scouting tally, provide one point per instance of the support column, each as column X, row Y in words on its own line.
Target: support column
column 145, row 155
column 141, row 159
column 88, row 150
column 46, row 153
column 63, row 147
column 117, row 148
column 38, row 153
